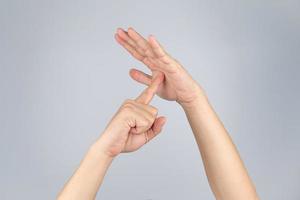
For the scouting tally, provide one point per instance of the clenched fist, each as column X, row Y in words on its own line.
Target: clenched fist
column 134, row 124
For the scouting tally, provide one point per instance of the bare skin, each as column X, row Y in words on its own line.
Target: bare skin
column 134, row 124
column 225, row 170
column 226, row 173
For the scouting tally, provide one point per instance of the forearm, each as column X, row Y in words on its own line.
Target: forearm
column 226, row 173
column 86, row 181
column 135, row 124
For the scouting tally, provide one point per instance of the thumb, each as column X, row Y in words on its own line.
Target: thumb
column 156, row 127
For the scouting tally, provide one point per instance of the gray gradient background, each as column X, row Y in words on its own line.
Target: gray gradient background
column 63, row 76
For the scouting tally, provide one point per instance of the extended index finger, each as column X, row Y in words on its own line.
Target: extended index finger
column 140, row 41
column 147, row 95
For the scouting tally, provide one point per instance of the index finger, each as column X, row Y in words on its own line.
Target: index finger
column 147, row 95
column 140, row 41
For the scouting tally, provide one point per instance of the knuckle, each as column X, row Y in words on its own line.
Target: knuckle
column 128, row 105
column 148, row 122
column 127, row 101
column 153, row 110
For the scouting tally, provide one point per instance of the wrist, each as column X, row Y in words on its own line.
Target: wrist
column 99, row 147
column 198, row 98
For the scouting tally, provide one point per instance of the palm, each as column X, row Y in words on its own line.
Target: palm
column 166, row 91
column 178, row 85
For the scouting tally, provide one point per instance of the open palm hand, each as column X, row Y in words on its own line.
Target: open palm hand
column 178, row 85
